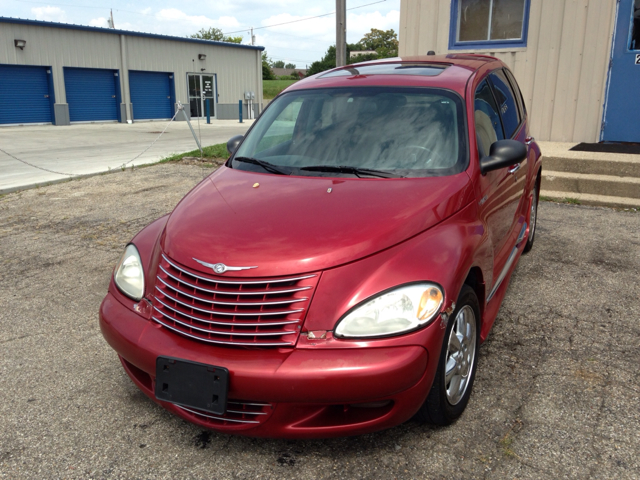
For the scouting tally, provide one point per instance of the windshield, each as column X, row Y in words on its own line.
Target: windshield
column 375, row 131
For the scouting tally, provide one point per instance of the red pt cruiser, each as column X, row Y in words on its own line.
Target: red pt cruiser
column 339, row 273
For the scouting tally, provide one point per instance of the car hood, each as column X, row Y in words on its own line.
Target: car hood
column 287, row 225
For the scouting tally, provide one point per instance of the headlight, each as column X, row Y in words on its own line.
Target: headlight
column 398, row 311
column 129, row 276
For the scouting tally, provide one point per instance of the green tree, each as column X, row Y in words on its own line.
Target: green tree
column 290, row 65
column 325, row 63
column 278, row 64
column 215, row 34
column 267, row 73
column 385, row 42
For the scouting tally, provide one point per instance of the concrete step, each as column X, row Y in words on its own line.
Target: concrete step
column 608, row 164
column 590, row 199
column 591, row 178
column 605, row 185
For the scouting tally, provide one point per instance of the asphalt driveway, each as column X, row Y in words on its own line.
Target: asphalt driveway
column 83, row 149
column 557, row 393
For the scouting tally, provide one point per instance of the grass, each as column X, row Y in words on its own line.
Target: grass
column 571, row 201
column 271, row 88
column 506, row 442
column 217, row 151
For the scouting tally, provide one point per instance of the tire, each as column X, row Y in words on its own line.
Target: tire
column 446, row 402
column 533, row 219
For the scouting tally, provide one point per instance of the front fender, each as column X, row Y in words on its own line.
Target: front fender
column 443, row 254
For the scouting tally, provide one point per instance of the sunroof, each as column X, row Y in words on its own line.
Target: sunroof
column 388, row 69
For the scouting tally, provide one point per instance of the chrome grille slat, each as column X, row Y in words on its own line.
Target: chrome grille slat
column 223, row 419
column 230, row 333
column 246, row 412
column 253, row 404
column 232, row 314
column 228, row 282
column 250, row 304
column 214, row 322
column 223, row 342
column 223, row 292
column 251, row 312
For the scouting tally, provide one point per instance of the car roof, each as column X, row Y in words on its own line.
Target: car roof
column 457, row 69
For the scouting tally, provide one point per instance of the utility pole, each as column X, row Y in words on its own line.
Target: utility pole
column 341, row 33
column 110, row 20
column 253, row 37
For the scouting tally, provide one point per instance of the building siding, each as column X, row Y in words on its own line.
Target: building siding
column 237, row 69
column 562, row 71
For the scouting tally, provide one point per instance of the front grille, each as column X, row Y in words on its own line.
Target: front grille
column 238, row 412
column 257, row 312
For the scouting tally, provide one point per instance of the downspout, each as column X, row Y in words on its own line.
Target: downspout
column 259, row 98
column 125, row 106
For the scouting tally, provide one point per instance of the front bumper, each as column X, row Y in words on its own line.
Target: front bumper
column 293, row 393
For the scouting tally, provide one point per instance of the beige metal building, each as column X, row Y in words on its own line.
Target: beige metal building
column 60, row 73
column 573, row 59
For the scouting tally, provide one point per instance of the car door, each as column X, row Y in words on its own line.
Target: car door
column 495, row 206
column 515, row 129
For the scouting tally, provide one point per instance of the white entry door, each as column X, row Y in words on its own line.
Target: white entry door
column 201, row 90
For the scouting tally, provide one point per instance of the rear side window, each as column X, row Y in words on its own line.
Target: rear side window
column 487, row 118
column 518, row 93
column 506, row 103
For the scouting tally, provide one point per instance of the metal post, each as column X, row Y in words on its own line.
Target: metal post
column 195, row 137
column 341, row 33
column 240, row 110
column 207, row 108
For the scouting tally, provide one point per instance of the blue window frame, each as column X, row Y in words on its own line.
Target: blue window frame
column 489, row 24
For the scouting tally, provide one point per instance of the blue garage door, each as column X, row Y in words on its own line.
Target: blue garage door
column 92, row 94
column 151, row 94
column 24, row 94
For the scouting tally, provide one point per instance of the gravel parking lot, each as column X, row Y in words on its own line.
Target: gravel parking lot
column 557, row 393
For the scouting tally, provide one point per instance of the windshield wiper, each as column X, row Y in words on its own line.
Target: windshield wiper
column 357, row 171
column 269, row 167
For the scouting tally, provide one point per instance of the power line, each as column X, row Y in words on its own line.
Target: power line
column 305, row 19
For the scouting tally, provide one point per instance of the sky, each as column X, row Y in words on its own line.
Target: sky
column 298, row 42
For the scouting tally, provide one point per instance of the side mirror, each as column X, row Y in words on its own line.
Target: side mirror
column 503, row 153
column 233, row 143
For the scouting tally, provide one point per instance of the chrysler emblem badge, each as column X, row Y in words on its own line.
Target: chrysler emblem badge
column 220, row 268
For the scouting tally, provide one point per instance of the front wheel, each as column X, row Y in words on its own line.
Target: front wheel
column 452, row 385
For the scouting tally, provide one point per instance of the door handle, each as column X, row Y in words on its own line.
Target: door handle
column 528, row 140
column 514, row 169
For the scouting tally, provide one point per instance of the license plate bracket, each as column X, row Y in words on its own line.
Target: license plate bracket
column 192, row 384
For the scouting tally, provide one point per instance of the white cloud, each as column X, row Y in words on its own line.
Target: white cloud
column 303, row 42
column 50, row 14
column 198, row 21
column 99, row 22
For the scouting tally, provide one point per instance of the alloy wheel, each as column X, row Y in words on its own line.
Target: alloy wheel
column 461, row 352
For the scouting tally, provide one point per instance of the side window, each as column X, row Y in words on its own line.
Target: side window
column 517, row 92
column 488, row 23
column 487, row 119
column 634, row 43
column 506, row 103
